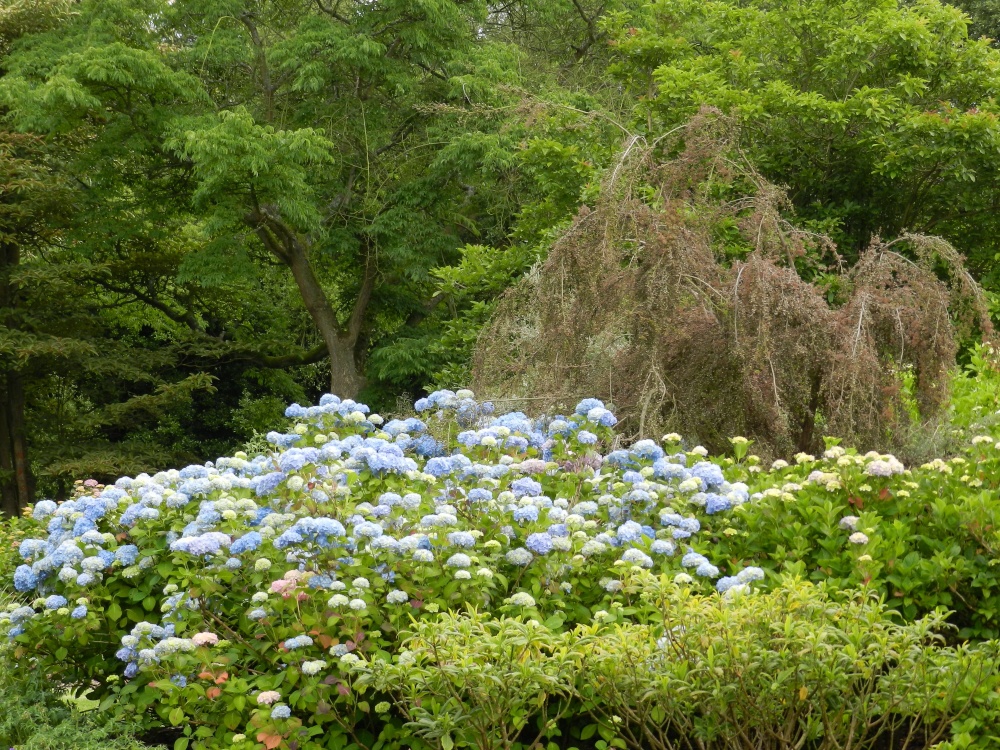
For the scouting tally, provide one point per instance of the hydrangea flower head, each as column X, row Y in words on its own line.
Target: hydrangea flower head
column 459, row 560
column 313, row 667
column 519, row 557
column 522, row 599
column 539, row 543
column 205, row 639
column 281, row 712
column 299, row 641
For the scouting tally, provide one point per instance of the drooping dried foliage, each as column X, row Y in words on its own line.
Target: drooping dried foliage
column 645, row 303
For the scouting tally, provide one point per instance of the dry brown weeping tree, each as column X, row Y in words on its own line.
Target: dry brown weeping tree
column 638, row 304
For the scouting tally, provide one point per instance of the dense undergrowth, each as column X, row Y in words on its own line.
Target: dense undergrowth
column 460, row 579
column 36, row 717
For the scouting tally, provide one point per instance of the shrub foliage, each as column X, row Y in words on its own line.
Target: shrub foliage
column 689, row 300
column 467, row 580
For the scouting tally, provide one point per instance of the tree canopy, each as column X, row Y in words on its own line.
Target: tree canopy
column 212, row 207
column 879, row 116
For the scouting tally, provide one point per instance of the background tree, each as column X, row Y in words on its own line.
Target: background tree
column 291, row 132
column 261, row 200
column 984, row 17
column 878, row 115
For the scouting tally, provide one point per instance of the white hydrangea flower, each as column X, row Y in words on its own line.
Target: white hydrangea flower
column 522, row 599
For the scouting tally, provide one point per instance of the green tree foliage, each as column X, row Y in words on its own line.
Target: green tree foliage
column 984, row 18
column 319, row 137
column 878, row 115
column 294, row 195
column 259, row 188
column 77, row 392
column 85, row 392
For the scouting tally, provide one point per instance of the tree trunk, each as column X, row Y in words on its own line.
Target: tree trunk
column 283, row 242
column 10, row 501
column 23, row 481
column 345, row 380
column 16, row 484
column 808, row 427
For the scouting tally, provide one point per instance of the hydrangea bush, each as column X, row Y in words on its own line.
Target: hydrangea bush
column 246, row 600
column 926, row 538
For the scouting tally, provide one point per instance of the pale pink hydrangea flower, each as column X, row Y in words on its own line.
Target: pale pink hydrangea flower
column 532, row 466
column 268, row 697
column 281, row 586
column 205, row 639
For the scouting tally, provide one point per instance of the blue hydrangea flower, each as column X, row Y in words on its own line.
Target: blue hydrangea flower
column 585, row 406
column 525, row 487
column 43, row 509
column 668, row 469
column 439, row 466
column 178, row 500
column 663, row 547
column 750, row 574
column 31, row 548
column 205, row 544
column 459, row 560
column 539, row 543
column 602, row 416
column 462, row 539
column 427, row 447
column 294, row 411
column 246, row 543
column 367, row 529
column 21, row 614
column 268, row 484
column 725, row 583
column 526, row 513
column 519, row 556
column 630, row 531
column 24, row 578
column 619, row 459
column 716, row 503
column 708, row 473
column 281, row 712
column 647, row 450
column 693, row 559
column 637, row 557
column 282, row 441
column 707, row 570
column 194, row 471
